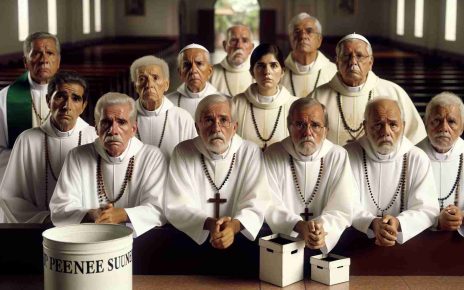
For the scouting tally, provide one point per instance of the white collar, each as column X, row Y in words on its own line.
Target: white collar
column 267, row 99
column 119, row 158
column 196, row 95
column 442, row 156
column 155, row 112
column 215, row 156
column 61, row 133
column 36, row 86
column 304, row 68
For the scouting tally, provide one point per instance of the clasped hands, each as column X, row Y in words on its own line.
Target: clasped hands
column 222, row 231
column 312, row 232
column 386, row 230
column 450, row 218
column 106, row 215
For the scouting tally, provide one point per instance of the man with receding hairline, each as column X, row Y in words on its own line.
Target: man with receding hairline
column 397, row 191
column 311, row 180
column 116, row 179
column 232, row 76
column 307, row 67
column 444, row 121
column 217, row 183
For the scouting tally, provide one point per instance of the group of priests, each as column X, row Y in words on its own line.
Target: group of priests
column 308, row 146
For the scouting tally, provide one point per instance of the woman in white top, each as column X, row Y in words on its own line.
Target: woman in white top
column 262, row 109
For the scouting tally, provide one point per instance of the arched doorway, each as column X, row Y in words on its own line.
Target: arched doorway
column 230, row 12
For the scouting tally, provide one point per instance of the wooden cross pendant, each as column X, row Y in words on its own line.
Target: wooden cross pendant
column 217, row 201
column 306, row 214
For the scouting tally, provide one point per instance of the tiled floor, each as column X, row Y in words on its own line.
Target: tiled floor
column 224, row 283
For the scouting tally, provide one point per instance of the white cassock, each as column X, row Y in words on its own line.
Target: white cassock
column 332, row 203
column 26, row 188
column 445, row 170
column 384, row 173
column 188, row 188
column 231, row 80
column 187, row 100
column 353, row 103
column 301, row 81
column 174, row 124
column 76, row 190
column 38, row 93
column 266, row 110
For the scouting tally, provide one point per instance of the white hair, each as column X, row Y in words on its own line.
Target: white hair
column 180, row 56
column 238, row 25
column 214, row 99
column 300, row 17
column 114, row 98
column 372, row 102
column 148, row 60
column 444, row 99
column 27, row 44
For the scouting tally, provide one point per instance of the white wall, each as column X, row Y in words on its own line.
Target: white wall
column 69, row 22
column 434, row 26
column 160, row 19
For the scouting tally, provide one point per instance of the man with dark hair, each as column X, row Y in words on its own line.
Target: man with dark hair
column 39, row 153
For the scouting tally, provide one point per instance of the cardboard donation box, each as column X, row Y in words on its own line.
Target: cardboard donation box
column 281, row 259
column 330, row 269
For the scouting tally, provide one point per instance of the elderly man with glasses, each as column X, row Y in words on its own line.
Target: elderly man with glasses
column 217, row 183
column 311, row 180
column 347, row 94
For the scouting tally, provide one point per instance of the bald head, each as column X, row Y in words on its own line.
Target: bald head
column 384, row 124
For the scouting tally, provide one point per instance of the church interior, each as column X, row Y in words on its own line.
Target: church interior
column 416, row 44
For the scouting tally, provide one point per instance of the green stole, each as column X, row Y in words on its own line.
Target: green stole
column 18, row 108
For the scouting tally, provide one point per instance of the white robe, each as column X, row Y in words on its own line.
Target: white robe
column 304, row 82
column 265, row 115
column 445, row 168
column 22, row 192
column 38, row 93
column 333, row 202
column 238, row 78
column 179, row 126
column 354, row 103
column 188, row 188
column 187, row 100
column 76, row 189
column 421, row 205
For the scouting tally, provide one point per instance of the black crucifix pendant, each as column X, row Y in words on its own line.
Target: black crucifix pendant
column 306, row 214
column 380, row 215
column 264, row 147
column 217, row 201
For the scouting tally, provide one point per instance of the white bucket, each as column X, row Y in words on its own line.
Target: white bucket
column 88, row 256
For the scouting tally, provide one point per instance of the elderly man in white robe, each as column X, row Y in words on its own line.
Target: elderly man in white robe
column 307, row 67
column 313, row 186
column 23, row 104
column 159, row 122
column 231, row 76
column 347, row 94
column 217, row 184
column 39, row 153
column 116, row 179
column 444, row 121
column 194, row 67
column 397, row 190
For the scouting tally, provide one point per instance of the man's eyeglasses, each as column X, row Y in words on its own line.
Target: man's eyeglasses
column 309, row 31
column 358, row 57
column 223, row 122
column 303, row 126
